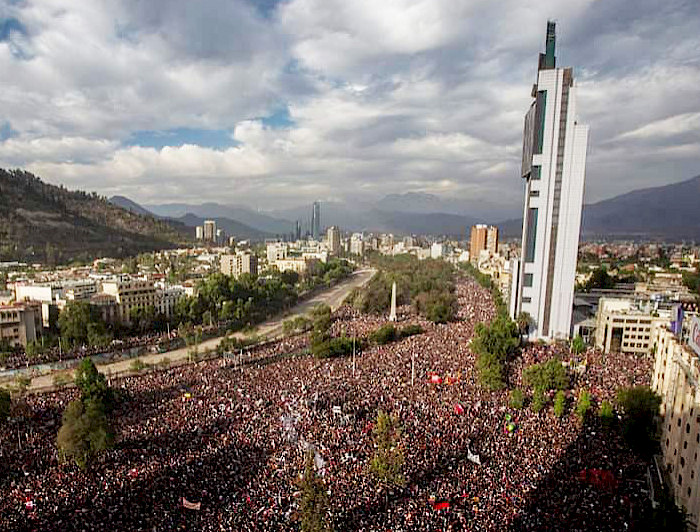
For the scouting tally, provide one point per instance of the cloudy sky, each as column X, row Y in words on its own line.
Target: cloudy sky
column 277, row 103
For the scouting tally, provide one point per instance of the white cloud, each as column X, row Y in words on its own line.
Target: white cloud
column 385, row 97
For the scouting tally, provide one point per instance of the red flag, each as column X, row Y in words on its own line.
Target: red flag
column 459, row 409
column 435, row 379
column 437, row 506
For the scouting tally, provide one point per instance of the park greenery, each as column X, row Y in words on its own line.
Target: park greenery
column 390, row 333
column 387, row 463
column 583, row 405
column 494, row 344
column 86, row 430
column 428, row 285
column 323, row 345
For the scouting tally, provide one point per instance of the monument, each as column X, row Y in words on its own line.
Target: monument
column 392, row 315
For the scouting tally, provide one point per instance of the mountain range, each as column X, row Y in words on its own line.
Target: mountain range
column 42, row 222
column 667, row 212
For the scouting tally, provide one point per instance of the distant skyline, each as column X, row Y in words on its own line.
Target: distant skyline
column 278, row 104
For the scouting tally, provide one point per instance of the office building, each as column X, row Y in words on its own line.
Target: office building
column 553, row 165
column 238, row 264
column 316, row 220
column 297, row 230
column 624, row 326
column 676, row 377
column 199, row 232
column 209, row 231
column 357, row 245
column 333, row 236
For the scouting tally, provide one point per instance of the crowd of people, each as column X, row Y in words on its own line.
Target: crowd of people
column 220, row 445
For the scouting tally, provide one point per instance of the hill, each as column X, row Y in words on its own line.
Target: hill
column 669, row 212
column 126, row 203
column 46, row 223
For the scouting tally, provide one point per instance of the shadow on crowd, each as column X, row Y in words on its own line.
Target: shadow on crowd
column 598, row 484
column 152, row 500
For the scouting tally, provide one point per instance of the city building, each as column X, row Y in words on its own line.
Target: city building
column 199, row 232
column 333, row 235
column 316, row 220
column 357, row 245
column 437, row 250
column 276, row 251
column 238, row 264
column 624, row 325
column 166, row 300
column 19, row 323
column 482, row 238
column 293, row 264
column 553, row 165
column 209, row 231
column 130, row 294
column 676, row 377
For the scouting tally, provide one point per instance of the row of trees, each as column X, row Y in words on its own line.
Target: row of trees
column 426, row 284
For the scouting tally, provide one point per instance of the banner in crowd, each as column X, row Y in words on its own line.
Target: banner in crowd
column 191, row 505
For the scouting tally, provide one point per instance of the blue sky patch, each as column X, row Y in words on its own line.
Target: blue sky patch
column 207, row 138
column 6, row 131
column 279, row 119
column 9, row 25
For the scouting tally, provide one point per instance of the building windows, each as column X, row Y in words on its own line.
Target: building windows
column 540, row 106
column 534, row 193
column 531, row 235
column 536, row 173
column 528, row 280
column 527, row 300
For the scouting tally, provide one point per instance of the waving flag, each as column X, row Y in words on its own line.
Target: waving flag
column 459, row 409
column 437, row 506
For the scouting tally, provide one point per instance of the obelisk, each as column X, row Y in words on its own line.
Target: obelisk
column 392, row 315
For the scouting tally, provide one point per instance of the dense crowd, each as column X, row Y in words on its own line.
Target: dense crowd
column 232, row 437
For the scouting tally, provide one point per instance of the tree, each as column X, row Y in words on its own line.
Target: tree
column 33, row 351
column 385, row 334
column 93, row 385
column 387, row 463
column 517, row 399
column 607, row 416
column 493, row 344
column 523, row 321
column 559, row 403
column 600, row 279
column 578, row 346
column 550, row 375
column 80, row 323
column 538, row 400
column 5, row 403
column 313, row 505
column 321, row 333
column 639, row 406
column 84, row 433
column 583, row 405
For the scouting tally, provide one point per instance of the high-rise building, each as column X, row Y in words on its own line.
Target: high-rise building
column 316, row 220
column 482, row 238
column 477, row 241
column 209, row 232
column 333, row 236
column 199, row 232
column 297, row 231
column 553, row 165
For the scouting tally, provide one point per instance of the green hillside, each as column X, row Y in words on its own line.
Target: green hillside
column 46, row 223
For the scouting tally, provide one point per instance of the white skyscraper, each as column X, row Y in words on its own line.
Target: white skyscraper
column 553, row 165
